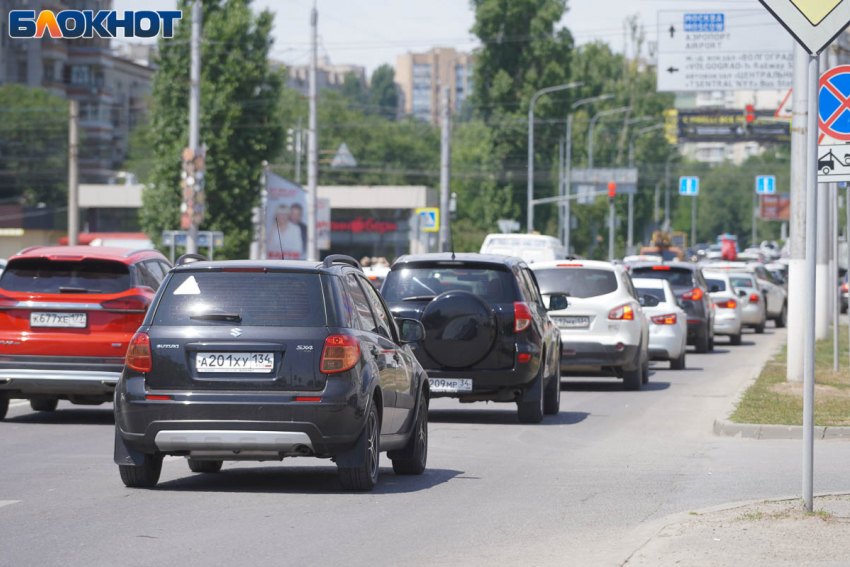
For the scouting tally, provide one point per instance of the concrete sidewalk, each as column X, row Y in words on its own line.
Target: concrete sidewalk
column 763, row 534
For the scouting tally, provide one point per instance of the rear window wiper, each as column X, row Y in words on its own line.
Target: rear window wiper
column 70, row 289
column 419, row 298
column 229, row 317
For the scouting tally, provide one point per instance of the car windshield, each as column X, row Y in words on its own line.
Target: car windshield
column 40, row 275
column 576, row 282
column 677, row 277
column 715, row 285
column 249, row 299
column 655, row 292
column 496, row 286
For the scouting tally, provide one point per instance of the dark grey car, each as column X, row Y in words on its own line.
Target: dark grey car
column 263, row 360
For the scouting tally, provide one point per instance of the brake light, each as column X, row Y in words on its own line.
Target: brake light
column 695, row 294
column 157, row 398
column 522, row 316
column 731, row 304
column 341, row 353
column 524, row 357
column 845, row 287
column 570, row 265
column 308, row 399
column 669, row 319
column 754, row 298
column 666, row 268
column 7, row 302
column 623, row 313
column 132, row 304
column 139, row 353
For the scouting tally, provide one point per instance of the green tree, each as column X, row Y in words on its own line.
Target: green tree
column 33, row 146
column 239, row 122
column 354, row 90
column 383, row 93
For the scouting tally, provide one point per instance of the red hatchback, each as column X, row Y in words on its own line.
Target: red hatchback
column 67, row 314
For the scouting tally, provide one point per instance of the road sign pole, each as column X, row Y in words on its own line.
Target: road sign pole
column 755, row 215
column 568, row 182
column 810, row 283
column 694, row 221
column 834, row 285
column 611, row 230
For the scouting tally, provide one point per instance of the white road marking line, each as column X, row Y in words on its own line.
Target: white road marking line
column 7, row 502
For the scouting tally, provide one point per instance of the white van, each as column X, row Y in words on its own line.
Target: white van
column 530, row 247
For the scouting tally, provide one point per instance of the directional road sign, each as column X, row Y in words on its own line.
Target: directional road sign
column 765, row 184
column 429, row 219
column 597, row 179
column 813, row 23
column 713, row 50
column 689, row 186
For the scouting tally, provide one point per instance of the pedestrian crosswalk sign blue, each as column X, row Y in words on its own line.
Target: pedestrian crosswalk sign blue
column 766, row 185
column 429, row 219
column 689, row 186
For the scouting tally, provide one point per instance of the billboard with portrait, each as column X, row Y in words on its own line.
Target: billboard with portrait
column 286, row 220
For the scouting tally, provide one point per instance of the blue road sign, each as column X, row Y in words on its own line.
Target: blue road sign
column 765, row 184
column 689, row 186
column 429, row 218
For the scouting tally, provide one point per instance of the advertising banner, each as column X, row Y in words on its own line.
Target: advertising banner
column 286, row 220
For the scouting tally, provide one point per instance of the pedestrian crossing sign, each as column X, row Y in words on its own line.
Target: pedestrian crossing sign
column 429, row 219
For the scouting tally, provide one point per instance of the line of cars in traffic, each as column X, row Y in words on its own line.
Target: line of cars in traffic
column 263, row 360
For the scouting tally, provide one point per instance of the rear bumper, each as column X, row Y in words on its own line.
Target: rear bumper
column 665, row 342
column 60, row 376
column 727, row 325
column 697, row 327
column 582, row 356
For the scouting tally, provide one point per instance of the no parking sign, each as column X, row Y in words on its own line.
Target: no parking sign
column 834, row 123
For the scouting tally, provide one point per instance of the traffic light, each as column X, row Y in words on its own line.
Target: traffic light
column 290, row 140
column 612, row 190
column 749, row 117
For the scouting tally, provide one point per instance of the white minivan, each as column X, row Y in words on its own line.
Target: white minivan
column 532, row 248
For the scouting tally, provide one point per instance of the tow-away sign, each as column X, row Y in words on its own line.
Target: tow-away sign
column 722, row 50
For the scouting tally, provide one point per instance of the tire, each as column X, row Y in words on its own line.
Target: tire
column 678, row 363
column 144, row 476
column 365, row 477
column 44, row 404
column 702, row 343
column 711, row 343
column 782, row 319
column 199, row 466
column 645, row 370
column 4, row 407
column 552, row 396
column 735, row 339
column 532, row 411
column 418, row 446
column 633, row 379
column 759, row 328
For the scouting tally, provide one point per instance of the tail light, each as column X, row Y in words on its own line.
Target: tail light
column 694, row 295
column 7, row 302
column 754, row 298
column 139, row 353
column 623, row 313
column 524, row 357
column 661, row 268
column 132, row 304
column 845, row 287
column 341, row 353
column 665, row 319
column 522, row 316
column 731, row 304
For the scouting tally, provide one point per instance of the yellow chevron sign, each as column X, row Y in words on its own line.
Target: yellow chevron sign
column 816, row 10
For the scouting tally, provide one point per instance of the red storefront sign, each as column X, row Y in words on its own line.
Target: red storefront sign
column 360, row 224
column 775, row 207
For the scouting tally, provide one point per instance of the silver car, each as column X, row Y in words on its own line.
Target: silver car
column 728, row 318
column 668, row 323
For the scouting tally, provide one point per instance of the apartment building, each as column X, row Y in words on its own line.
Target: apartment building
column 328, row 75
column 421, row 77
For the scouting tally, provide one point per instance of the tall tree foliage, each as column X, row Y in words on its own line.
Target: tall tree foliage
column 239, row 124
column 383, row 93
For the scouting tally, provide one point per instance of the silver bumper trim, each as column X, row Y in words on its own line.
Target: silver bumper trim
column 211, row 440
column 10, row 375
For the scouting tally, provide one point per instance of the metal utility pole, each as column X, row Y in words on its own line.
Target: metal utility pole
column 822, row 312
column 811, row 177
column 667, row 192
column 655, row 210
column 561, row 171
column 755, row 218
column 73, row 176
column 445, row 170
column 194, row 110
column 298, row 139
column 847, row 240
column 611, row 221
column 538, row 94
column 797, row 299
column 834, row 286
column 630, row 236
column 312, row 142
column 593, row 120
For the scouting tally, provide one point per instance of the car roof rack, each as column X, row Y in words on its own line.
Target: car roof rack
column 191, row 258
column 341, row 259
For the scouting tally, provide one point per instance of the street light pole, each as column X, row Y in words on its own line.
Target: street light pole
column 667, row 192
column 538, row 94
column 630, row 236
column 593, row 120
column 194, row 111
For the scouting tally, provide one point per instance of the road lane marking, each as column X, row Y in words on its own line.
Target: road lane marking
column 7, row 502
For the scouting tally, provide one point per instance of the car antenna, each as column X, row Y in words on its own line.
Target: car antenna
column 279, row 239
column 451, row 241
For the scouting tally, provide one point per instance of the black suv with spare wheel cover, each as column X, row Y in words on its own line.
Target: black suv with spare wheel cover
column 261, row 360
column 488, row 335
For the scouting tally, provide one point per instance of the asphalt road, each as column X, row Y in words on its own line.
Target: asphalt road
column 578, row 489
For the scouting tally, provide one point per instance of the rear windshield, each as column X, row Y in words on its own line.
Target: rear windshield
column 576, row 282
column 40, row 275
column 655, row 292
column 715, row 285
column 677, row 278
column 496, row 286
column 742, row 281
column 246, row 299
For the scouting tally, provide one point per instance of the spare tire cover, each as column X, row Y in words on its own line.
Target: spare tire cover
column 460, row 329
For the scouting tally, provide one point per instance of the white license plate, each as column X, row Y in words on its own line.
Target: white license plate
column 61, row 320
column 248, row 362
column 450, row 384
column 572, row 322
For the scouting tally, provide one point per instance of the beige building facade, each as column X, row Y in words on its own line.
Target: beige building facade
column 421, row 77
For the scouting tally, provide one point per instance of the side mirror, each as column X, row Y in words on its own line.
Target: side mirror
column 411, row 330
column 742, row 293
column 558, row 301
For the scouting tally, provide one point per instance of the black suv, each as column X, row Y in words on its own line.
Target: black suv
column 488, row 336
column 261, row 360
column 690, row 287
